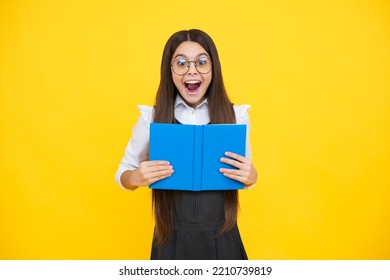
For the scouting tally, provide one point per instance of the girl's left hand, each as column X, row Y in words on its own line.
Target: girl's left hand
column 246, row 172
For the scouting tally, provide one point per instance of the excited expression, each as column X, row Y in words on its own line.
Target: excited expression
column 192, row 86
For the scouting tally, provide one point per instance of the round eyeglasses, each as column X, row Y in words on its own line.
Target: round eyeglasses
column 181, row 66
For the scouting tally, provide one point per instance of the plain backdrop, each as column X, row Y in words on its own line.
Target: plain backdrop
column 317, row 77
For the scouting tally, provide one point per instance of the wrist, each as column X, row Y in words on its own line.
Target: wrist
column 127, row 180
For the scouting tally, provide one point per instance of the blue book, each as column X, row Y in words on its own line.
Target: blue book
column 194, row 151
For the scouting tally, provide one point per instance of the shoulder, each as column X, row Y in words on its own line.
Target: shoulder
column 147, row 112
column 241, row 112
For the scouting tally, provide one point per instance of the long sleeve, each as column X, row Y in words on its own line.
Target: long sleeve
column 242, row 117
column 137, row 149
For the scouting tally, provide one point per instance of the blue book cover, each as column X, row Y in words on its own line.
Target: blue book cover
column 194, row 151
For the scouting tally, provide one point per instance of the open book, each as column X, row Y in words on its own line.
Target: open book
column 194, row 151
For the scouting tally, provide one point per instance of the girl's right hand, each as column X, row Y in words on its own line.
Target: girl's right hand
column 150, row 172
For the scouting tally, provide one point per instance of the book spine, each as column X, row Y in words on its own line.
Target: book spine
column 198, row 160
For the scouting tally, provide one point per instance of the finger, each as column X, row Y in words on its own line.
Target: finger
column 244, row 175
column 148, row 167
column 235, row 177
column 160, row 173
column 232, row 162
column 160, row 177
column 231, row 171
column 149, row 178
column 158, row 168
column 236, row 156
column 156, row 163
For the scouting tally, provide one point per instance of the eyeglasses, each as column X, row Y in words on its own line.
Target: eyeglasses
column 181, row 66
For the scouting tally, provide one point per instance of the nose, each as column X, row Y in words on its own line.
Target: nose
column 192, row 68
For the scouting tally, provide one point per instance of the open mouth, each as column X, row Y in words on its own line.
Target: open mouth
column 192, row 86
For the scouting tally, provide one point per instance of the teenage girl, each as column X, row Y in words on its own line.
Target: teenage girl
column 189, row 225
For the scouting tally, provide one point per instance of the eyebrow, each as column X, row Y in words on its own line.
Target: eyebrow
column 183, row 55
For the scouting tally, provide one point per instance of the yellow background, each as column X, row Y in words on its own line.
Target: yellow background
column 315, row 72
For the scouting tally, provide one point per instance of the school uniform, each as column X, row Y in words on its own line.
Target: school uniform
column 197, row 215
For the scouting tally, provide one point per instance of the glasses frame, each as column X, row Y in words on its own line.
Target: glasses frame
column 189, row 64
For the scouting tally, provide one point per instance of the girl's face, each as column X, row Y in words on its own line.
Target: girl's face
column 192, row 85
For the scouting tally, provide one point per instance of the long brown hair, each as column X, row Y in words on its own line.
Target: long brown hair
column 220, row 110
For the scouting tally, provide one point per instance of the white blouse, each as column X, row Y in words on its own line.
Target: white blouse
column 137, row 149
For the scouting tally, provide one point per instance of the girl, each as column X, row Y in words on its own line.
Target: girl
column 189, row 225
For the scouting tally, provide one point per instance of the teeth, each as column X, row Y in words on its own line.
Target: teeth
column 192, row 82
